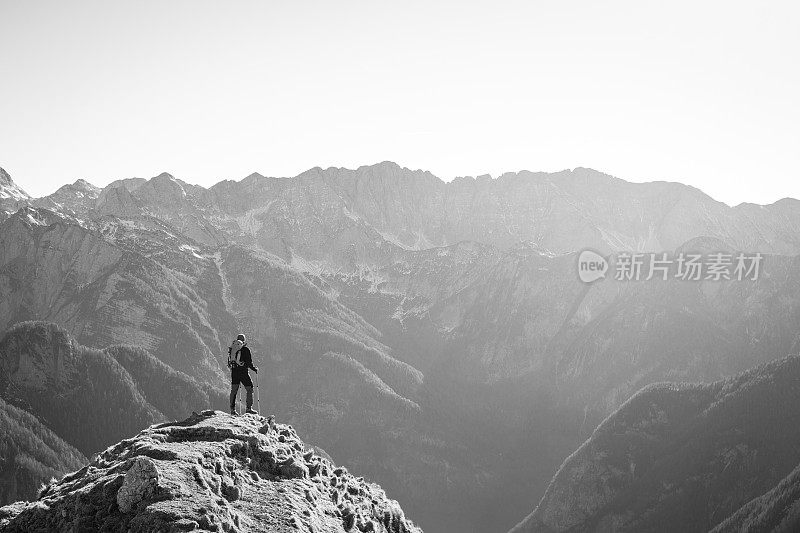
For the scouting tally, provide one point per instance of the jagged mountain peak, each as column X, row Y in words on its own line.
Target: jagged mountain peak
column 83, row 184
column 131, row 184
column 10, row 190
column 164, row 176
column 163, row 188
column 311, row 173
column 390, row 168
column 383, row 169
column 118, row 201
column 80, row 186
column 383, row 165
column 253, row 176
column 211, row 471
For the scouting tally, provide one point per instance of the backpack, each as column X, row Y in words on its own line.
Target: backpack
column 232, row 362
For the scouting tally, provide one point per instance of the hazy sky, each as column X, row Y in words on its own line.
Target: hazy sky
column 700, row 92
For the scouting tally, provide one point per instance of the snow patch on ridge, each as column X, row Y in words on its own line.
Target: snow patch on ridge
column 191, row 249
column 13, row 193
column 392, row 238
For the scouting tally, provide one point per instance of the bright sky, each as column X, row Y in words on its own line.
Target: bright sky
column 705, row 93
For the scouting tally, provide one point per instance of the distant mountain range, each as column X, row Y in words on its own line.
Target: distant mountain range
column 434, row 336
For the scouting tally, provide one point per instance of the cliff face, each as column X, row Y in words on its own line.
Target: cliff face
column 127, row 285
column 212, row 472
column 12, row 197
column 685, row 458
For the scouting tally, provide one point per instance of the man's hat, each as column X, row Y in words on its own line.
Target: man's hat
column 241, row 337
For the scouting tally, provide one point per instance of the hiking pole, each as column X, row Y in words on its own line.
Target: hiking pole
column 258, row 395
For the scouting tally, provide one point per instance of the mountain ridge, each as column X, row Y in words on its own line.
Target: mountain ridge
column 681, row 457
column 387, row 163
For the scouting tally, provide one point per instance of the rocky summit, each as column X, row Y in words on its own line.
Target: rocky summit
column 210, row 472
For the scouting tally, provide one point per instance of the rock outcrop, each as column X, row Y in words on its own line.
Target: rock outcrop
column 12, row 197
column 9, row 189
column 210, row 472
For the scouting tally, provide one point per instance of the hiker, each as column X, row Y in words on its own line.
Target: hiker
column 239, row 360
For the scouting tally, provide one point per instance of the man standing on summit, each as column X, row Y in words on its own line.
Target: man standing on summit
column 239, row 360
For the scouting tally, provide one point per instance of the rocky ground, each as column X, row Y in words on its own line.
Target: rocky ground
column 210, row 472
